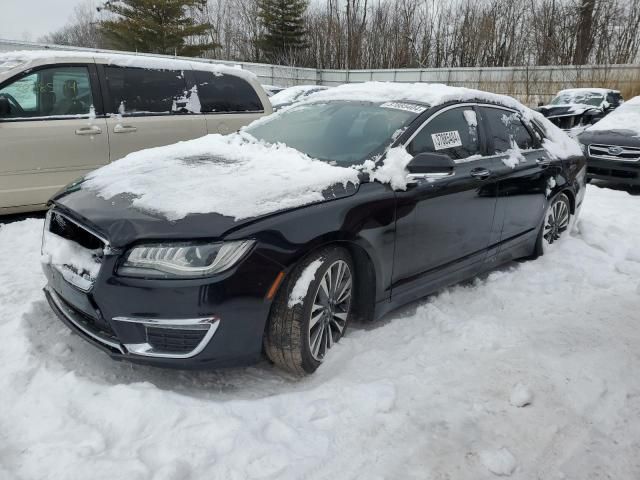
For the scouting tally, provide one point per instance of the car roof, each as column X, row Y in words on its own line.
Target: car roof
column 26, row 58
column 602, row 91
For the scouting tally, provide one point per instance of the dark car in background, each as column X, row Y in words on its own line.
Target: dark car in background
column 434, row 191
column 575, row 109
column 613, row 146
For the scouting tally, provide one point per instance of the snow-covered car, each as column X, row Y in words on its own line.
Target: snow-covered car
column 349, row 204
column 612, row 145
column 575, row 109
column 271, row 90
column 63, row 114
column 295, row 94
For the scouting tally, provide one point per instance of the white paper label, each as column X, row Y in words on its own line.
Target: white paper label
column 444, row 140
column 409, row 107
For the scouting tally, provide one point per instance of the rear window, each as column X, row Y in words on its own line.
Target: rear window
column 139, row 90
column 226, row 93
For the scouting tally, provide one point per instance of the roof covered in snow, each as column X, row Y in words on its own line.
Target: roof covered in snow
column 626, row 117
column 601, row 91
column 22, row 58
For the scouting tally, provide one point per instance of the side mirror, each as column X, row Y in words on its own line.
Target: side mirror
column 430, row 166
column 541, row 104
column 5, row 107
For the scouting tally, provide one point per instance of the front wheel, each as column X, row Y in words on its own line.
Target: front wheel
column 311, row 311
column 555, row 225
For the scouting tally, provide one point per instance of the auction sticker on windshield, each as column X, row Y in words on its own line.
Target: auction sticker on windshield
column 444, row 140
column 409, row 107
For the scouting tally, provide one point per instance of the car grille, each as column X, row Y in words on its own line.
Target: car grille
column 615, row 152
column 174, row 340
column 59, row 229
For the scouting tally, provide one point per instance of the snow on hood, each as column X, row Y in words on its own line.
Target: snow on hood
column 626, row 117
column 233, row 175
column 25, row 57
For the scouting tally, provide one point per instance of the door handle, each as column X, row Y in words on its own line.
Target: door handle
column 543, row 162
column 124, row 129
column 480, row 173
column 92, row 130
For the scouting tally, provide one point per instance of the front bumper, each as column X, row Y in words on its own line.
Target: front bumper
column 625, row 172
column 204, row 323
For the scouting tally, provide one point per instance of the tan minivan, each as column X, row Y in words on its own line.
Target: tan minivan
column 63, row 114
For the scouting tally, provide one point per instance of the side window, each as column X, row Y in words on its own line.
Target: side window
column 51, row 92
column 140, row 91
column 226, row 93
column 454, row 132
column 506, row 130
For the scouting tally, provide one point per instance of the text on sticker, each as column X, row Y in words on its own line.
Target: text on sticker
column 409, row 107
column 444, row 140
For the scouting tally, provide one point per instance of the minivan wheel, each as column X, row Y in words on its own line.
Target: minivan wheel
column 311, row 311
column 555, row 225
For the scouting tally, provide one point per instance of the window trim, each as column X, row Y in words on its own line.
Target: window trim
column 93, row 84
column 482, row 150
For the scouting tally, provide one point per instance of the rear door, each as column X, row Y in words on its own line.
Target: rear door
column 54, row 133
column 446, row 224
column 148, row 108
column 228, row 102
column 526, row 175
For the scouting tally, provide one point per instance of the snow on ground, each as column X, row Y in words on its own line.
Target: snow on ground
column 423, row 394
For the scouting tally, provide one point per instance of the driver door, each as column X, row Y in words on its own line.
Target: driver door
column 50, row 136
column 445, row 225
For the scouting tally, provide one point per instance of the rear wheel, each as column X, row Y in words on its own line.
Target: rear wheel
column 311, row 311
column 556, row 223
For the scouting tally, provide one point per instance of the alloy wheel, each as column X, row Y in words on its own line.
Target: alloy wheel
column 330, row 309
column 556, row 221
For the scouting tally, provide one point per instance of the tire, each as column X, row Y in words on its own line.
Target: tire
column 556, row 224
column 293, row 341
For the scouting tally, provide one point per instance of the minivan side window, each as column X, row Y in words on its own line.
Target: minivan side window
column 50, row 92
column 454, row 133
column 506, row 129
column 226, row 93
column 143, row 91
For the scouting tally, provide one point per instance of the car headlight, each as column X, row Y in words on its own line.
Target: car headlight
column 183, row 260
column 583, row 147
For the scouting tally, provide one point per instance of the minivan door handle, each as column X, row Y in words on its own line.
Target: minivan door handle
column 480, row 173
column 124, row 129
column 92, row 130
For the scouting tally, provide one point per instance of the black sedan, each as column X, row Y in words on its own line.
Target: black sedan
column 272, row 240
column 613, row 146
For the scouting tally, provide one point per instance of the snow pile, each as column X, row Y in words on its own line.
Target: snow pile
column 77, row 264
column 521, row 396
column 301, row 287
column 626, row 117
column 232, row 175
column 393, row 169
column 425, row 388
column 499, row 462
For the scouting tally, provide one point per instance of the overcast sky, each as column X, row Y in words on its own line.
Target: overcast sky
column 31, row 19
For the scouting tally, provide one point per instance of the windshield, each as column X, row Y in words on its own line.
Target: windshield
column 347, row 133
column 582, row 98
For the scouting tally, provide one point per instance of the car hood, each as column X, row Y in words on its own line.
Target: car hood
column 561, row 110
column 203, row 188
column 622, row 138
